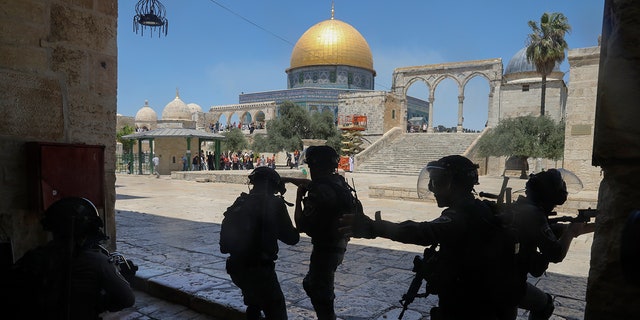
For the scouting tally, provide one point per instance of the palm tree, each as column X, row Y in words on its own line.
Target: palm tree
column 546, row 46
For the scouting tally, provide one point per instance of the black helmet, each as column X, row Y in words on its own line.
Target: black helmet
column 260, row 174
column 462, row 171
column 73, row 216
column 321, row 157
column 547, row 187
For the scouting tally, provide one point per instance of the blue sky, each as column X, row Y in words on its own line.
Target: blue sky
column 212, row 54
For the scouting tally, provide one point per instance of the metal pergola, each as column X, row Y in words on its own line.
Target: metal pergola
column 187, row 134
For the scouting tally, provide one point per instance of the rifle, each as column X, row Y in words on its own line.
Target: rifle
column 126, row 267
column 584, row 215
column 420, row 267
column 503, row 197
column 295, row 181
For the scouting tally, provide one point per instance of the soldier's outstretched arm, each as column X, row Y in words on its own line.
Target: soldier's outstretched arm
column 359, row 225
column 419, row 233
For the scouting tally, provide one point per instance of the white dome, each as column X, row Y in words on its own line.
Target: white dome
column 176, row 110
column 194, row 108
column 146, row 114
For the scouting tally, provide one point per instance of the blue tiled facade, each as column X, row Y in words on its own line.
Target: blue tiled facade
column 338, row 77
column 312, row 99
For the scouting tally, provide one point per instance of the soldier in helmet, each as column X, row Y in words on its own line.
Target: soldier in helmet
column 540, row 243
column 250, row 232
column 70, row 277
column 473, row 281
column 320, row 202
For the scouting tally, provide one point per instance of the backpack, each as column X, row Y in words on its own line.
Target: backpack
column 315, row 222
column 239, row 234
column 506, row 240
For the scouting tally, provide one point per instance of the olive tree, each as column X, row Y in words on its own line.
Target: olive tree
column 527, row 136
column 293, row 124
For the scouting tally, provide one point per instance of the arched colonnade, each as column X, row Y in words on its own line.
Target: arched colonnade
column 259, row 112
column 461, row 72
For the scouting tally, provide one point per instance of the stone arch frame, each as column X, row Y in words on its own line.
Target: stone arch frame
column 267, row 108
column 243, row 114
column 461, row 72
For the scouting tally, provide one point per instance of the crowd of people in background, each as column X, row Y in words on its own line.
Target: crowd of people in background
column 221, row 127
column 238, row 160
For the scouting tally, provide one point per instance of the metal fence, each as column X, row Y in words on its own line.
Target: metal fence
column 129, row 163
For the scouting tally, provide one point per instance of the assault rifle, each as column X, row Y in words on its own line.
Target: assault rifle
column 584, row 215
column 421, row 268
column 503, row 197
column 126, row 267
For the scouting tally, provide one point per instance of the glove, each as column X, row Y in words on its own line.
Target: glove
column 358, row 225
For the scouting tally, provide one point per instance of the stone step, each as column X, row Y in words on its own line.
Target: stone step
column 409, row 153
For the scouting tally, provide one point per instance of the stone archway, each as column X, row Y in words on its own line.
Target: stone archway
column 461, row 73
column 258, row 111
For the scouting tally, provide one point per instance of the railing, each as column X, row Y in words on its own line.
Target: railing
column 129, row 163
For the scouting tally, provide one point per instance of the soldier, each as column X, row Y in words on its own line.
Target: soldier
column 250, row 232
column 70, row 277
column 539, row 242
column 320, row 202
column 475, row 276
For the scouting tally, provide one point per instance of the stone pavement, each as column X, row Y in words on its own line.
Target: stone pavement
column 148, row 307
column 170, row 228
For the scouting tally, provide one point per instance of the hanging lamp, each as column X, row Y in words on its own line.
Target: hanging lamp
column 152, row 14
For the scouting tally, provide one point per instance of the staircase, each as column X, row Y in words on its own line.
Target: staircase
column 410, row 152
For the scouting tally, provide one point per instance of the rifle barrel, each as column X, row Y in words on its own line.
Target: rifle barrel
column 488, row 195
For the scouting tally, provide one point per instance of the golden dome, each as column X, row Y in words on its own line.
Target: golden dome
column 332, row 42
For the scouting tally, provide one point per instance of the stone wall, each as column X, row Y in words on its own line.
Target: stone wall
column 613, row 293
column 58, row 81
column 171, row 150
column 361, row 103
column 515, row 102
column 581, row 106
column 380, row 108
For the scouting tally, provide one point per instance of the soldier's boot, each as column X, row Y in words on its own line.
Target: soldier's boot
column 545, row 312
column 253, row 313
column 324, row 310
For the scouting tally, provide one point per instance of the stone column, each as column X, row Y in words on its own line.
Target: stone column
column 460, row 117
column 430, row 122
column 611, row 295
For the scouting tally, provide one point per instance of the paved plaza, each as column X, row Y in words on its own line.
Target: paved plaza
column 170, row 228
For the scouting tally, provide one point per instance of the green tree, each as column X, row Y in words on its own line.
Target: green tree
column 293, row 124
column 234, row 140
column 127, row 144
column 323, row 126
column 546, row 46
column 527, row 136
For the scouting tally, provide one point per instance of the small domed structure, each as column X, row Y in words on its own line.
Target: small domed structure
column 176, row 110
column 521, row 70
column 194, row 108
column 146, row 114
column 146, row 118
